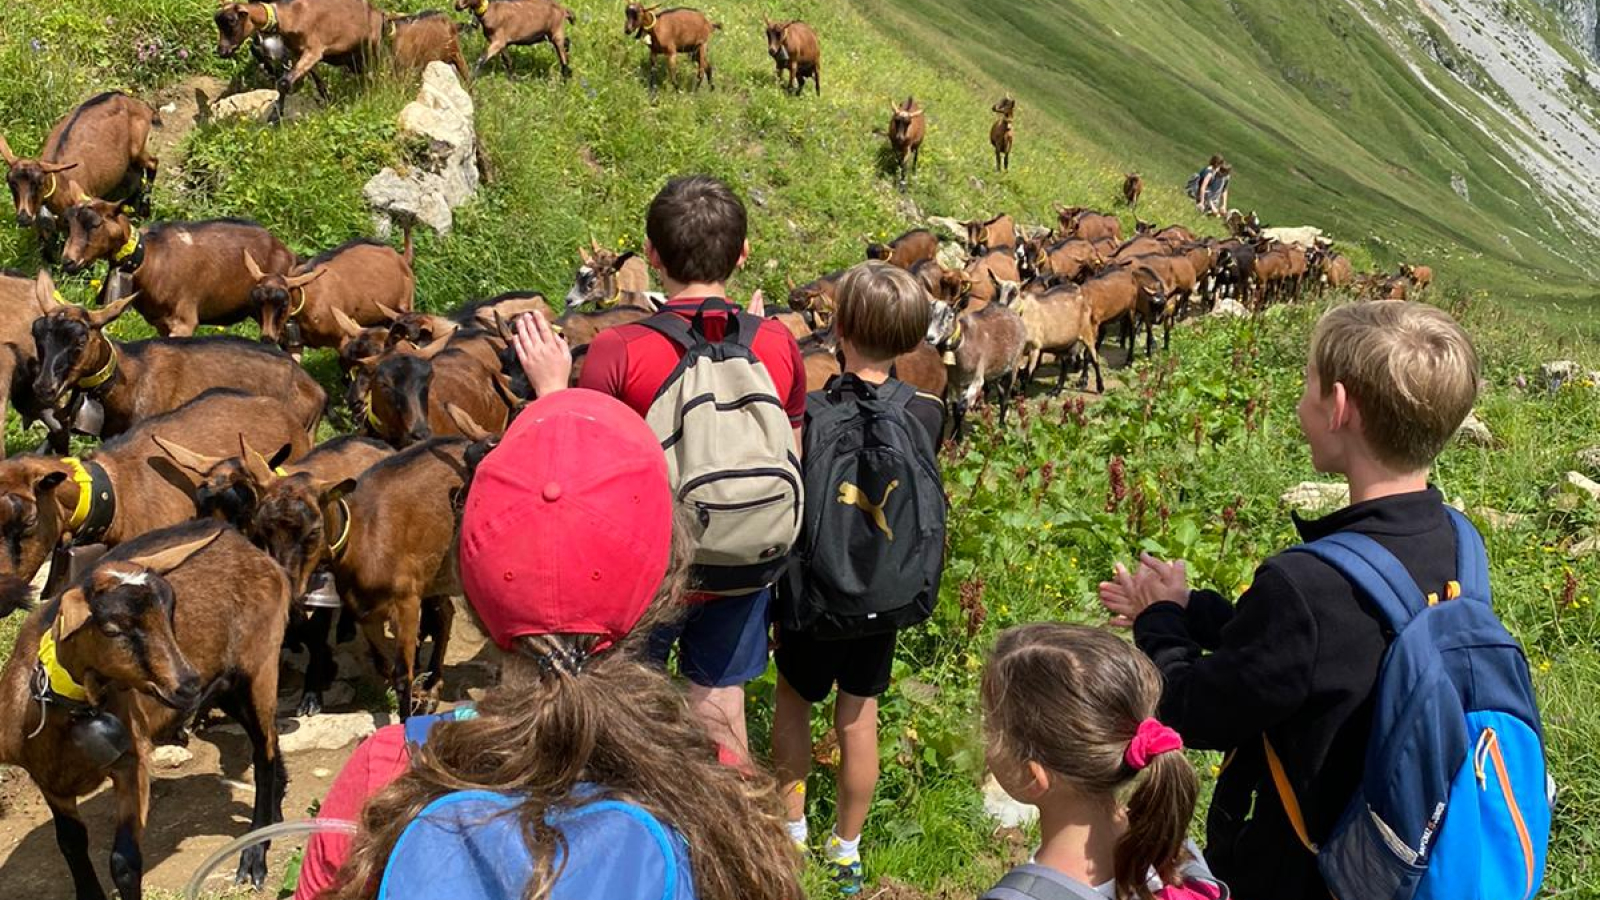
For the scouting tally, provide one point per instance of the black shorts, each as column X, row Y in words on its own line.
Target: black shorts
column 859, row 666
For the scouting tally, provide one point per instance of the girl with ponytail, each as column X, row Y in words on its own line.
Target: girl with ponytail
column 1068, row 720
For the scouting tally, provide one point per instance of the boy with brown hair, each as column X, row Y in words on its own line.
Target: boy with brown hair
column 700, row 348
column 870, row 552
column 1286, row 677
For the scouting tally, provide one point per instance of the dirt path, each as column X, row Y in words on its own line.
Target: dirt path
column 204, row 802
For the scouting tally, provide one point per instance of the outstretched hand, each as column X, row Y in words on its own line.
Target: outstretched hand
column 1128, row 594
column 757, row 305
column 543, row 354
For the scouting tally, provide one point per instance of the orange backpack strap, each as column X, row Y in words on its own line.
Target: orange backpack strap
column 1291, row 805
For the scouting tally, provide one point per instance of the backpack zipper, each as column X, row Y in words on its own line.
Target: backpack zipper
column 1488, row 751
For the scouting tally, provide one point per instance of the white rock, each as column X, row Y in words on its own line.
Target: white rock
column 1586, row 547
column 1474, row 432
column 952, row 255
column 1573, row 490
column 250, row 106
column 170, row 756
column 320, row 772
column 442, row 114
column 1227, row 306
column 1589, row 459
column 1314, row 495
column 328, row 731
column 1558, row 371
column 951, row 227
column 1004, row 811
column 1500, row 521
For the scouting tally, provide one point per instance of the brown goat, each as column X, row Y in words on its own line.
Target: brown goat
column 1089, row 225
column 19, row 361
column 795, row 49
column 185, row 274
column 1132, row 188
column 361, row 279
column 521, row 23
column 230, row 489
column 99, row 146
column 1336, row 271
column 389, row 538
column 978, row 347
column 133, row 382
column 344, row 33
column 1113, row 296
column 1057, row 321
column 815, row 299
column 426, row 37
column 1073, row 259
column 406, row 392
column 670, row 32
column 999, row 233
column 984, row 275
column 1002, row 132
column 126, row 488
column 605, row 279
column 907, row 127
column 908, row 249
column 1178, row 283
column 1421, row 276
column 178, row 615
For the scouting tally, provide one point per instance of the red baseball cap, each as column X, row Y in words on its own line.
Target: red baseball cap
column 567, row 527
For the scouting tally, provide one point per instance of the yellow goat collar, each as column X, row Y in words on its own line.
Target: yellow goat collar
column 271, row 10
column 80, row 476
column 483, row 7
column 104, row 375
column 60, row 680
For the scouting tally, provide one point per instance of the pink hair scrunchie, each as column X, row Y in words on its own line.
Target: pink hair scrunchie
column 1150, row 741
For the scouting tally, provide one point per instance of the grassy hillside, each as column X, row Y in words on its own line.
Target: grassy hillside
column 1322, row 118
column 1207, row 428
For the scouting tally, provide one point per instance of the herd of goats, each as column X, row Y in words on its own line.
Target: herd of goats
column 208, row 529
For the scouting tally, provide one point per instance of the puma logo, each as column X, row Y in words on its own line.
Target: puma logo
column 850, row 495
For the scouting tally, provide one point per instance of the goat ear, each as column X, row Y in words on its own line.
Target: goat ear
column 347, row 326
column 71, row 614
column 329, row 491
column 6, row 154
column 53, row 168
column 44, row 293
column 435, row 348
column 163, row 561
column 250, row 266
column 465, row 424
column 305, row 278
column 260, row 469
column 104, row 316
column 503, row 327
column 188, row 460
column 393, row 315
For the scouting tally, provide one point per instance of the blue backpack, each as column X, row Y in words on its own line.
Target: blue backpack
column 468, row 845
column 1454, row 801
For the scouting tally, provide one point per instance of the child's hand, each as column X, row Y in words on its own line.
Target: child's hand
column 542, row 353
column 757, row 305
column 1129, row 594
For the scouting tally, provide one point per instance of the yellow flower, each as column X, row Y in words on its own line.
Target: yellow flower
column 911, row 733
column 1215, row 771
column 1544, row 666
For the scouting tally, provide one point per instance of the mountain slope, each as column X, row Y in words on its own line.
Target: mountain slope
column 1332, row 111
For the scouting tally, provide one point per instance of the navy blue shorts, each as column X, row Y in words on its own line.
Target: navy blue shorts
column 722, row 642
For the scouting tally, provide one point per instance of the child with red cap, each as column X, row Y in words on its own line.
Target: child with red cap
column 556, row 786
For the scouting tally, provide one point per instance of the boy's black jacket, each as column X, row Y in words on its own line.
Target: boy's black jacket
column 1296, row 660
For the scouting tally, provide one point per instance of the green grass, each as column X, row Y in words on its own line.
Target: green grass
column 1322, row 119
column 579, row 160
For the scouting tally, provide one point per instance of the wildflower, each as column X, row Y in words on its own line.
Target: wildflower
column 971, row 596
column 1544, row 665
column 1117, row 470
column 1569, row 591
column 36, row 45
column 183, row 53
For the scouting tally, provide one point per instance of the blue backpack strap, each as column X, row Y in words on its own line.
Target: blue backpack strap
column 1472, row 560
column 1375, row 572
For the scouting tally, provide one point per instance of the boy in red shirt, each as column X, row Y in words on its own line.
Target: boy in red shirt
column 695, row 233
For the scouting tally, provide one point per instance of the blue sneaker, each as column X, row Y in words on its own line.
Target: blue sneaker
column 846, row 875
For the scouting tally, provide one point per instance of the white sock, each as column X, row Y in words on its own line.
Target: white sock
column 841, row 850
column 798, row 831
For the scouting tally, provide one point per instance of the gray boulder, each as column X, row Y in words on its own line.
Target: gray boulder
column 443, row 117
column 250, row 106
